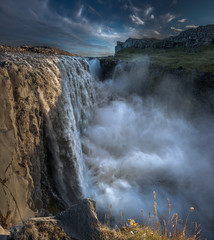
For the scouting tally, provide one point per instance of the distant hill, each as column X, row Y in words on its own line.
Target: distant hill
column 190, row 39
column 36, row 49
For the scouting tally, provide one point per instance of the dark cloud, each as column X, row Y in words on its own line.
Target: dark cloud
column 93, row 25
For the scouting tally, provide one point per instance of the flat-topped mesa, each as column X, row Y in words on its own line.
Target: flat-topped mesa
column 191, row 38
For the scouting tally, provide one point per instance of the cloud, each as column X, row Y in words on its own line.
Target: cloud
column 182, row 20
column 136, row 20
column 157, row 33
column 101, row 2
column 168, row 17
column 94, row 11
column 177, row 30
column 79, row 13
column 152, row 16
column 191, row 26
column 148, row 11
column 41, row 25
column 131, row 32
column 136, row 9
column 106, row 32
column 174, row 2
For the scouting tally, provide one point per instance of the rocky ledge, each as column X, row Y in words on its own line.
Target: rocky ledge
column 39, row 49
column 79, row 222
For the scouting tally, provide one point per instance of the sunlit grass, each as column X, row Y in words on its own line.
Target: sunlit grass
column 202, row 59
column 155, row 228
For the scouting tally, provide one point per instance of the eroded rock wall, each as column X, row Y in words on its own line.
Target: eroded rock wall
column 189, row 39
column 42, row 101
column 22, row 81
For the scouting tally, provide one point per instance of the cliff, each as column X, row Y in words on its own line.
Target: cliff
column 189, row 39
column 46, row 102
column 36, row 121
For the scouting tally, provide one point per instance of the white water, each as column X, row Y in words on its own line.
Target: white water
column 136, row 145
column 111, row 144
column 64, row 124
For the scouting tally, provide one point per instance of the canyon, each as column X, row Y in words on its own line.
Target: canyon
column 114, row 131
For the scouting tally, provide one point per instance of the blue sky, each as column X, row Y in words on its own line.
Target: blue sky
column 91, row 28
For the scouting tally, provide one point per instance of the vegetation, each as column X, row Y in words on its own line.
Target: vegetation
column 40, row 230
column 155, row 229
column 201, row 59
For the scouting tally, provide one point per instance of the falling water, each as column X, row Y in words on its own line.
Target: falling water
column 65, row 122
column 137, row 144
column 116, row 143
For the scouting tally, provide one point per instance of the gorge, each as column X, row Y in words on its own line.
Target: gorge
column 66, row 135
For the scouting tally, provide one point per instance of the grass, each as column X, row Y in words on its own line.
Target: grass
column 202, row 59
column 155, row 229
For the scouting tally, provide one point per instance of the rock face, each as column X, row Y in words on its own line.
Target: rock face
column 43, row 103
column 21, row 141
column 107, row 68
column 189, row 39
column 80, row 221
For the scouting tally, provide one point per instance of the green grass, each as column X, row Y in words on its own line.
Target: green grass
column 202, row 60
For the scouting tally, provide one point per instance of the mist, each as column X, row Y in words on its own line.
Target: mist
column 138, row 143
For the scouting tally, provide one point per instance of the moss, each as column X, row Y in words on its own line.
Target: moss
column 200, row 59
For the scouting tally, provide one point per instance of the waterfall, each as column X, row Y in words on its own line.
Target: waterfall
column 65, row 122
column 139, row 143
column 114, row 142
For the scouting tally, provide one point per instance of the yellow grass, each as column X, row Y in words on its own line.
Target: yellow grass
column 155, row 229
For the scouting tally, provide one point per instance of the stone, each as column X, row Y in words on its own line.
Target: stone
column 80, row 221
column 4, row 234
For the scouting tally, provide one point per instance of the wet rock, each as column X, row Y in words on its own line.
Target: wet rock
column 107, row 67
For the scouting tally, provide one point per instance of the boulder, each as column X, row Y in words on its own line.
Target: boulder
column 80, row 221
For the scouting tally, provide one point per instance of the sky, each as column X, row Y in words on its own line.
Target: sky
column 92, row 27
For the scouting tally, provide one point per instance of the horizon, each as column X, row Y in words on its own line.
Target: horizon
column 92, row 28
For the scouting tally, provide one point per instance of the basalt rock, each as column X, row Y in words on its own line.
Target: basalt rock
column 190, row 39
column 80, row 221
column 107, row 67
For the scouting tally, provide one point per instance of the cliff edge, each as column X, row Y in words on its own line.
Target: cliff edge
column 34, row 49
column 43, row 101
column 23, row 83
column 188, row 39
